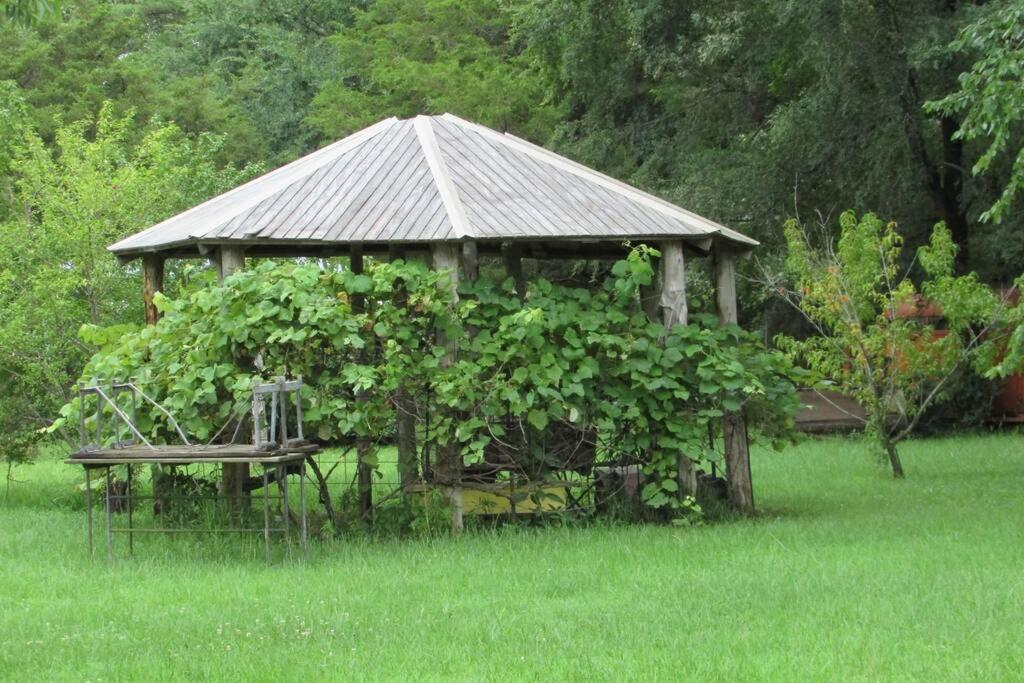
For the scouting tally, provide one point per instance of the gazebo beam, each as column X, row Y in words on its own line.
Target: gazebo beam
column 734, row 428
column 553, row 249
column 229, row 260
column 470, row 260
column 448, row 469
column 153, row 282
column 650, row 295
column 672, row 267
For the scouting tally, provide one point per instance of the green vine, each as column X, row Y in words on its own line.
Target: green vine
column 541, row 386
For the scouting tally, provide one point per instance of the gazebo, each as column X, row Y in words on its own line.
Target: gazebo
column 446, row 189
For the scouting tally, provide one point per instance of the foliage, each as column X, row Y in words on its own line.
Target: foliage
column 68, row 65
column 737, row 110
column 744, row 112
column 991, row 96
column 59, row 214
column 17, row 448
column 405, row 58
column 245, row 69
column 751, row 112
column 591, row 363
column 570, row 361
column 872, row 342
column 28, row 12
column 198, row 361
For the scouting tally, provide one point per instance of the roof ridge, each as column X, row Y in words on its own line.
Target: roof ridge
column 442, row 179
column 314, row 161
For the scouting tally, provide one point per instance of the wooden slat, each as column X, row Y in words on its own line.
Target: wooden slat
column 330, row 220
column 522, row 188
column 632, row 193
column 223, row 207
column 337, row 189
column 391, row 192
column 416, row 187
column 237, row 453
column 494, row 201
column 413, row 213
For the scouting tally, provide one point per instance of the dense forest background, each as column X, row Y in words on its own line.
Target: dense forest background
column 114, row 115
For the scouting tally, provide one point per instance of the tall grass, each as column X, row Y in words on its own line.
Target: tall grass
column 846, row 575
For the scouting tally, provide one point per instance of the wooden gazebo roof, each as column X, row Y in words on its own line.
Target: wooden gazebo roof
column 423, row 180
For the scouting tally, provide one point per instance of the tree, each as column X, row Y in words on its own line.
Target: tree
column 869, row 343
column 61, row 211
column 243, row 69
column 29, row 11
column 404, row 58
column 750, row 111
column 990, row 100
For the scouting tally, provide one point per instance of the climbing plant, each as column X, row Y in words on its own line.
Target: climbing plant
column 540, row 386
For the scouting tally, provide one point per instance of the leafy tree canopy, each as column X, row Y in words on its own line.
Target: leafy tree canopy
column 402, row 58
column 59, row 211
column 878, row 337
column 991, row 97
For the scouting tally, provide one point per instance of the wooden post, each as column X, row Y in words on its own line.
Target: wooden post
column 650, row 295
column 470, row 260
column 734, row 428
column 672, row 273
column 364, row 471
column 470, row 270
column 448, row 469
column 152, row 282
column 673, row 284
column 512, row 257
column 231, row 259
column 405, row 404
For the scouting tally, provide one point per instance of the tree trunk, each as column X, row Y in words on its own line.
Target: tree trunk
column 949, row 189
column 734, row 429
column 944, row 179
column 894, row 460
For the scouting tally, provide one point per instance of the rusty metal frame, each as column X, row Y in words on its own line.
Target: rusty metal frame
column 265, row 530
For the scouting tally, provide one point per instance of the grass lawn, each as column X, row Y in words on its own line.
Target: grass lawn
column 847, row 575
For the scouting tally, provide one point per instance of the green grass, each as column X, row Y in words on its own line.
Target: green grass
column 848, row 575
